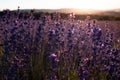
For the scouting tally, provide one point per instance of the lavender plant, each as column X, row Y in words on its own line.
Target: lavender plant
column 57, row 49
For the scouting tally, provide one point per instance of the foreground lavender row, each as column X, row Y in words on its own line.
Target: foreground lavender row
column 48, row 49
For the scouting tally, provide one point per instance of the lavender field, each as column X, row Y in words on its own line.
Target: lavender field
column 51, row 48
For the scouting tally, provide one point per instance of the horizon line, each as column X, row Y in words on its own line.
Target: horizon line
column 57, row 9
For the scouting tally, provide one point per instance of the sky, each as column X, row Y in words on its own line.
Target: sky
column 57, row 4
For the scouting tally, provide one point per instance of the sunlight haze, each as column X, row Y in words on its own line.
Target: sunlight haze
column 57, row 4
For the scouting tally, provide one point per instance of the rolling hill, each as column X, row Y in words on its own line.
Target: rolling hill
column 114, row 12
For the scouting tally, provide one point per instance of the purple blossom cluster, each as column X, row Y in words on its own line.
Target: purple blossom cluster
column 83, row 48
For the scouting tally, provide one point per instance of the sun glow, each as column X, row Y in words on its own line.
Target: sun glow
column 56, row 4
column 95, row 4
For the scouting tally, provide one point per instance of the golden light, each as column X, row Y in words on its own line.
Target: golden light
column 90, row 4
column 57, row 4
column 81, row 4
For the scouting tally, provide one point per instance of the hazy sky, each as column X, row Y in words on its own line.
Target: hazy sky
column 55, row 4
